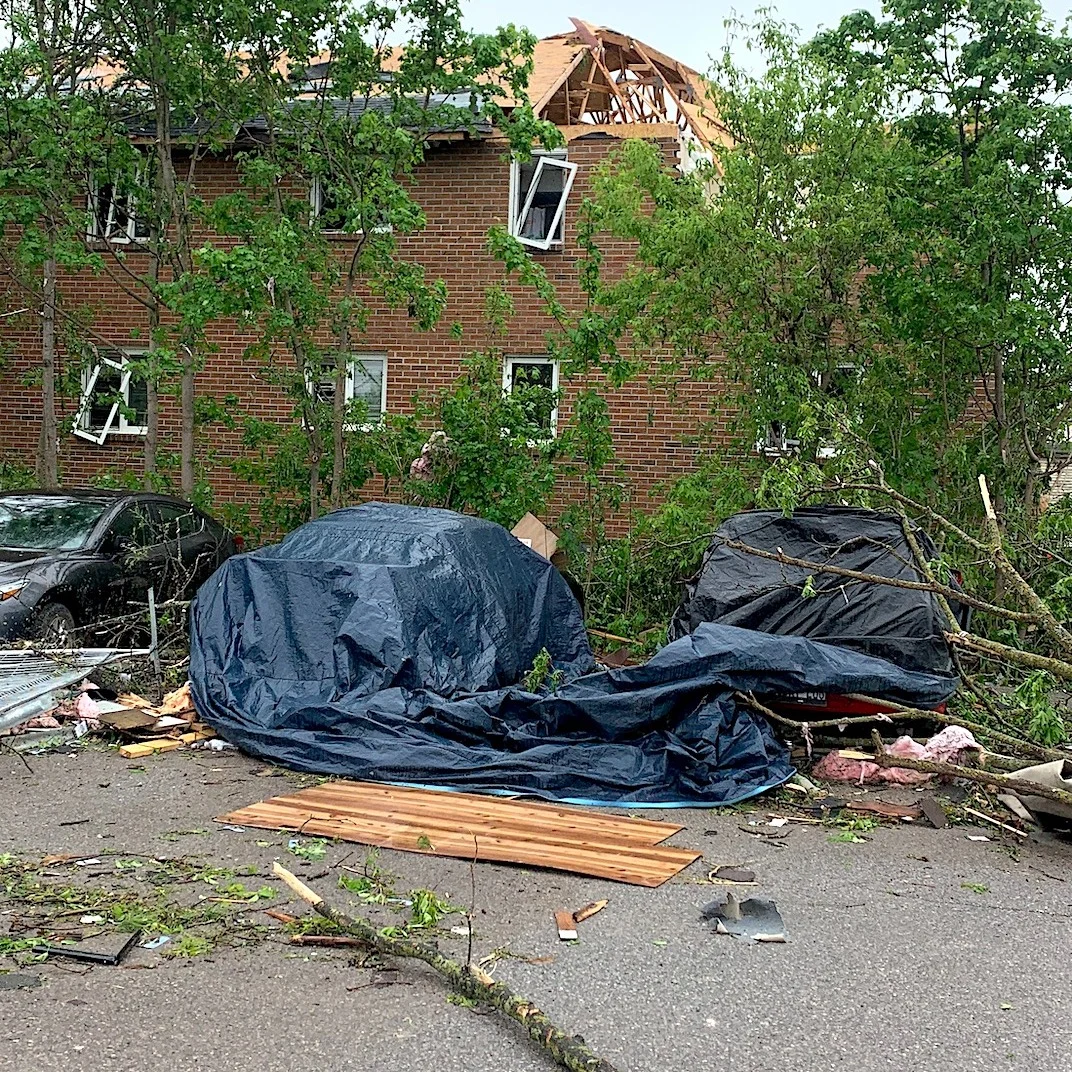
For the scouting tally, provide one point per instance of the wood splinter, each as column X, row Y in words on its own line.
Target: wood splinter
column 471, row 981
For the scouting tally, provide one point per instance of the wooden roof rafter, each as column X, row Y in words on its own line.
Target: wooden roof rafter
column 599, row 76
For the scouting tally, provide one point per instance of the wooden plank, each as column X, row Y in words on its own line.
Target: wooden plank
column 463, row 825
column 148, row 748
column 637, row 864
column 567, row 927
column 469, row 807
column 407, row 832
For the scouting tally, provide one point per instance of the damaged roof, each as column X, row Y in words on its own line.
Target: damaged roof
column 601, row 76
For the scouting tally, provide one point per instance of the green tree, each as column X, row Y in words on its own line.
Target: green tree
column 48, row 122
column 980, row 293
column 339, row 145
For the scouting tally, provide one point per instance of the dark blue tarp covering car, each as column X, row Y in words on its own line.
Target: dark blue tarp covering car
column 388, row 643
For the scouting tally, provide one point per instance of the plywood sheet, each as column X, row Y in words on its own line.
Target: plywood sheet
column 466, row 825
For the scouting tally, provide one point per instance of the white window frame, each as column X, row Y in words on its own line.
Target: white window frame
column 513, row 361
column 348, row 391
column 116, row 423
column 316, row 188
column 518, row 213
column 96, row 233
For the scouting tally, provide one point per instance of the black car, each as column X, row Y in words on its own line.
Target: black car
column 74, row 559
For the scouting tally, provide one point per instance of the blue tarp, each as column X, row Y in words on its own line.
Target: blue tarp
column 387, row 643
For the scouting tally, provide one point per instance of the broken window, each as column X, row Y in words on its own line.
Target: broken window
column 326, row 207
column 836, row 384
column 539, row 188
column 114, row 399
column 112, row 213
column 534, row 380
column 366, row 383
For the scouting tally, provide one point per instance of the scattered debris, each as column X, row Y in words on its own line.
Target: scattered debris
column 756, row 920
column 326, row 940
column 994, row 822
column 885, row 810
column 470, row 981
column 164, row 744
column 532, row 532
column 34, row 683
column 567, row 926
column 801, row 784
column 590, row 910
column 468, row 826
column 935, row 813
column 952, row 745
column 281, row 917
column 1016, row 806
column 128, row 719
column 1056, row 775
column 157, row 942
column 978, row 837
column 733, row 874
column 778, row 820
column 114, row 948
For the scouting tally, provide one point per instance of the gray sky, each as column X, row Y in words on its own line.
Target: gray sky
column 686, row 30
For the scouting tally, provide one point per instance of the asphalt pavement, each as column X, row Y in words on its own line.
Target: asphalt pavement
column 917, row 949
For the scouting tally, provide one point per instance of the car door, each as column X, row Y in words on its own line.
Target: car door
column 133, row 542
column 193, row 547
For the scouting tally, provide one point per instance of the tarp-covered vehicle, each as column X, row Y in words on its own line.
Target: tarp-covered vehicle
column 735, row 587
column 389, row 643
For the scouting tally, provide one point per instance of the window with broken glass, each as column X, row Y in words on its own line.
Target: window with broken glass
column 366, row 385
column 534, row 381
column 539, row 189
column 114, row 398
column 112, row 213
column 326, row 208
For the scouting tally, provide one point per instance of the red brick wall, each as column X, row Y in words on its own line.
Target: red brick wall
column 464, row 190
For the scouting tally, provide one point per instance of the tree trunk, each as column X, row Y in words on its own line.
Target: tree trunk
column 152, row 377
column 47, row 468
column 338, row 430
column 187, row 469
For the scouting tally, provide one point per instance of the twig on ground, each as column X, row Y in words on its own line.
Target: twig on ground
column 472, row 982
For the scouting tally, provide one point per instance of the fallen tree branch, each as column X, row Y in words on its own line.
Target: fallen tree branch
column 800, row 724
column 1016, row 656
column 1045, row 617
column 971, row 774
column 473, row 982
column 890, row 582
column 1027, row 747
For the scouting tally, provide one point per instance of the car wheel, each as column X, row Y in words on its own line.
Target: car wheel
column 54, row 626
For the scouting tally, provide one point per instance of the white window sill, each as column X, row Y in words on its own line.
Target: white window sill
column 132, row 432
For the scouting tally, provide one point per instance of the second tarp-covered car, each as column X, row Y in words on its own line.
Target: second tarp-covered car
column 390, row 643
column 734, row 587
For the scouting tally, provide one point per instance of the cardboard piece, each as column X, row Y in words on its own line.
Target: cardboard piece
column 532, row 532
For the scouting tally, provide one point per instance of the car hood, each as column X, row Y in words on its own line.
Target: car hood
column 16, row 565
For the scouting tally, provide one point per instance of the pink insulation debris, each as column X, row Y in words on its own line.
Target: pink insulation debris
column 950, row 746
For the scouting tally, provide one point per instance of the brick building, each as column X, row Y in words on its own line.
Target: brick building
column 599, row 87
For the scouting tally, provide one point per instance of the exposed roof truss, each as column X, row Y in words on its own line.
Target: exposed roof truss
column 612, row 78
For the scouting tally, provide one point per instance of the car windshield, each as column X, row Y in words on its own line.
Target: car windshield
column 47, row 522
